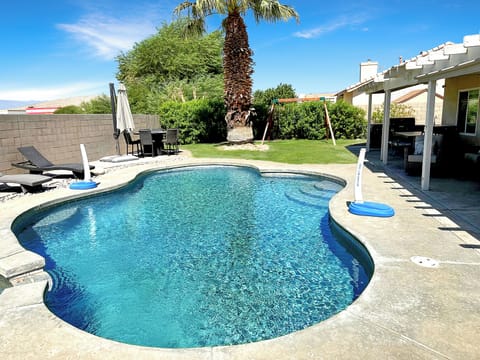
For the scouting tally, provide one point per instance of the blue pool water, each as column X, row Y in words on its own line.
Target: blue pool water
column 198, row 257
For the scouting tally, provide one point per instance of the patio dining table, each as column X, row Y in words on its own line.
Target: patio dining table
column 408, row 134
column 402, row 141
column 158, row 135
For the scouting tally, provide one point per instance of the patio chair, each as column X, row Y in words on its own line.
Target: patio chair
column 413, row 162
column 36, row 163
column 147, row 142
column 131, row 142
column 171, row 141
column 27, row 182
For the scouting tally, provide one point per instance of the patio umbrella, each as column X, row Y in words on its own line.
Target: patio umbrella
column 124, row 114
column 113, row 103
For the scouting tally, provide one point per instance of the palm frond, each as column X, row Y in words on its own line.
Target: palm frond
column 273, row 11
column 183, row 6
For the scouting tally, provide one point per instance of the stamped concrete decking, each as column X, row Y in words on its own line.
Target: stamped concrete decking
column 406, row 312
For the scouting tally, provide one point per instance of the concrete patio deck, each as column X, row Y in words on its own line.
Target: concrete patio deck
column 407, row 311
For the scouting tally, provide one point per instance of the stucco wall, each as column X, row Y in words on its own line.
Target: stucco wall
column 58, row 137
column 450, row 103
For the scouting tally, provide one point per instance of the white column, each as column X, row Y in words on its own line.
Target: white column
column 385, row 127
column 369, row 120
column 427, row 141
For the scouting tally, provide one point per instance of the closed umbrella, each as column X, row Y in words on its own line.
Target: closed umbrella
column 122, row 120
column 124, row 114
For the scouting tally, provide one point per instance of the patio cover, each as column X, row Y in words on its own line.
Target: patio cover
column 444, row 61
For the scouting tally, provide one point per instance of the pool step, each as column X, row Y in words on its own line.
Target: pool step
column 308, row 199
column 313, row 192
column 328, row 186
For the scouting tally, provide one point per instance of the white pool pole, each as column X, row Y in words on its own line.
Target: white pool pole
column 86, row 166
column 358, row 177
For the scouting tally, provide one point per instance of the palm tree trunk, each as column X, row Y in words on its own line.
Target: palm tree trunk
column 238, row 68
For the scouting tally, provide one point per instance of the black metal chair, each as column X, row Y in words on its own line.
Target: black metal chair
column 147, row 142
column 171, row 141
column 132, row 143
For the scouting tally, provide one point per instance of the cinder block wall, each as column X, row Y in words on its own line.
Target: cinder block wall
column 58, row 137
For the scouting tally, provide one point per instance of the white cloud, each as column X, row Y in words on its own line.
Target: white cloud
column 109, row 36
column 56, row 92
column 338, row 23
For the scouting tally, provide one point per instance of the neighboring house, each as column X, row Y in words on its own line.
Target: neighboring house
column 417, row 101
column 414, row 97
column 32, row 110
column 457, row 66
column 49, row 107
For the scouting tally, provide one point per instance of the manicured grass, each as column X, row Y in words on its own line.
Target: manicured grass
column 285, row 151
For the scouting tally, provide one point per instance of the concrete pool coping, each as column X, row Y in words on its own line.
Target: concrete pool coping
column 407, row 310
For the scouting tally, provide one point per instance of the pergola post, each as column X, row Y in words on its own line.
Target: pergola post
column 369, row 120
column 427, row 141
column 385, row 127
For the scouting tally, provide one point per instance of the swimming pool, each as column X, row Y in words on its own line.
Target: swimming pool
column 198, row 257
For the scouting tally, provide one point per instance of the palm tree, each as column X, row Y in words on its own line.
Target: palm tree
column 237, row 55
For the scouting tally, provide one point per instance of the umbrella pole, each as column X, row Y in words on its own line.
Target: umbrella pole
column 114, row 116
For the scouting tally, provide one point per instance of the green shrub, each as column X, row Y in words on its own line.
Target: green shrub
column 307, row 121
column 301, row 121
column 99, row 105
column 396, row 111
column 348, row 121
column 197, row 120
column 70, row 109
column 202, row 121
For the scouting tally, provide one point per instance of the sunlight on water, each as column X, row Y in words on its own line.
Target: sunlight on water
column 197, row 257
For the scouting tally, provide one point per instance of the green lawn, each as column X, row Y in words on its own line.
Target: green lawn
column 285, row 151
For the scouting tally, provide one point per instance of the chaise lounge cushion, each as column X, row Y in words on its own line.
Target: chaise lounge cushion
column 28, row 182
column 36, row 163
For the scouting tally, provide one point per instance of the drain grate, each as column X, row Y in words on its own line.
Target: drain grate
column 425, row 261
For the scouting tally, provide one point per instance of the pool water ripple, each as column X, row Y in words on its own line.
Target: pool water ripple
column 197, row 257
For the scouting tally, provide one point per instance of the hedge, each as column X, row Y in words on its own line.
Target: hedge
column 203, row 120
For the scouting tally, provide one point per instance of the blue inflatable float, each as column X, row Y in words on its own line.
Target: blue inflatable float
column 83, row 185
column 368, row 208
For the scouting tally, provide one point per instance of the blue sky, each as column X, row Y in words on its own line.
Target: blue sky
column 55, row 49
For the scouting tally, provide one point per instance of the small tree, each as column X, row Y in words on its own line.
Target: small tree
column 170, row 67
column 99, row 105
column 265, row 97
column 396, row 111
column 70, row 109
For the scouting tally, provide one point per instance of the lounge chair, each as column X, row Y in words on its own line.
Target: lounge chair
column 27, row 182
column 36, row 163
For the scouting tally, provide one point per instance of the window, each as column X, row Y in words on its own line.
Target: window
column 468, row 111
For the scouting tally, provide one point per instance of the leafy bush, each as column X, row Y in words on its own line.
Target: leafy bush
column 197, row 120
column 348, row 121
column 307, row 121
column 169, row 66
column 301, row 121
column 396, row 111
column 70, row 109
column 265, row 97
column 99, row 105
